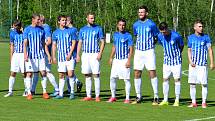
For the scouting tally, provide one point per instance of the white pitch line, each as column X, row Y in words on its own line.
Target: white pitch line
column 185, row 72
column 200, row 119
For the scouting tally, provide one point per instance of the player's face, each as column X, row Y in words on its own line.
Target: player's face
column 90, row 19
column 164, row 32
column 121, row 26
column 36, row 20
column 142, row 14
column 68, row 21
column 62, row 22
column 198, row 28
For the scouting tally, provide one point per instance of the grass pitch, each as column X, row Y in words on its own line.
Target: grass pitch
column 17, row 108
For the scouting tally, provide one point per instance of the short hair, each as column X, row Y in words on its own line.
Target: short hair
column 90, row 13
column 17, row 23
column 122, row 20
column 70, row 18
column 42, row 16
column 144, row 7
column 60, row 16
column 34, row 15
column 198, row 21
column 163, row 26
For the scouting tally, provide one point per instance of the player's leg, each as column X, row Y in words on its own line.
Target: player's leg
column 127, row 90
column 62, row 73
column 70, row 72
column 78, row 83
column 11, row 83
column 192, row 80
column 34, row 82
column 203, row 75
column 25, row 93
column 176, row 70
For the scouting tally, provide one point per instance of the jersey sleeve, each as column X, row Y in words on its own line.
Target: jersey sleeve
column 75, row 34
column 155, row 30
column 25, row 33
column 113, row 38
column 208, row 41
column 160, row 39
column 180, row 40
column 189, row 44
column 80, row 37
column 54, row 37
column 134, row 30
column 101, row 34
column 130, row 40
column 48, row 32
column 12, row 37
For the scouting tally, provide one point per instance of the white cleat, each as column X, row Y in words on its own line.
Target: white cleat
column 9, row 94
column 25, row 93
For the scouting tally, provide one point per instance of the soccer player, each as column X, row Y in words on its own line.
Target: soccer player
column 34, row 54
column 145, row 31
column 69, row 23
column 122, row 50
column 16, row 54
column 48, row 46
column 199, row 46
column 89, row 38
column 64, row 41
column 173, row 45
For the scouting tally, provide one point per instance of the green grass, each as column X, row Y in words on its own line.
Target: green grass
column 20, row 109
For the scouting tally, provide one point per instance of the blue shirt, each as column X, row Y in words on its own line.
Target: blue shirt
column 122, row 42
column 145, row 31
column 90, row 37
column 199, row 48
column 63, row 38
column 36, row 39
column 171, row 46
column 75, row 34
column 47, row 30
column 17, row 40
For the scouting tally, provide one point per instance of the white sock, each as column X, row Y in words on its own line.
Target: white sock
column 11, row 83
column 177, row 90
column 165, row 90
column 127, row 88
column 204, row 93
column 113, row 87
column 88, row 86
column 193, row 93
column 97, row 86
column 25, row 85
column 43, row 82
column 28, row 84
column 137, row 84
column 68, row 85
column 61, row 86
column 72, row 83
column 52, row 81
column 35, row 80
column 154, row 82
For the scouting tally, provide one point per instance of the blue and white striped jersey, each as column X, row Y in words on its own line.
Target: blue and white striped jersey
column 122, row 42
column 75, row 34
column 18, row 40
column 171, row 46
column 145, row 31
column 199, row 46
column 36, row 38
column 47, row 30
column 90, row 37
column 63, row 38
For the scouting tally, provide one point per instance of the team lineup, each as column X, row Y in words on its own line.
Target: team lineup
column 34, row 49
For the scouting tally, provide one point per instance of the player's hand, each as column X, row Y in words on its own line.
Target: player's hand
column 128, row 64
column 193, row 65
column 68, row 57
column 99, row 57
column 110, row 61
column 54, row 60
column 26, row 58
column 78, row 59
column 212, row 66
column 50, row 60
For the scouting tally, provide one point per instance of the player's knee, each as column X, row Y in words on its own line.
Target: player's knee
column 177, row 80
column 193, row 85
column 152, row 73
column 96, row 75
column 61, row 75
column 88, row 75
column 13, row 74
column 165, row 79
column 137, row 74
column 204, row 85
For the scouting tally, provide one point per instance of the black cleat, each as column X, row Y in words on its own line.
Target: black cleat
column 155, row 101
column 79, row 86
column 137, row 101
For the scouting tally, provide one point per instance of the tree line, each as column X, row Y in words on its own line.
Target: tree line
column 179, row 14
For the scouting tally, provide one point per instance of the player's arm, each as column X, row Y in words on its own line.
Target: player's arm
column 128, row 64
column 11, row 50
column 211, row 56
column 48, row 54
column 113, row 50
column 79, row 51
column 54, row 47
column 102, row 46
column 71, row 50
column 189, row 52
column 25, row 50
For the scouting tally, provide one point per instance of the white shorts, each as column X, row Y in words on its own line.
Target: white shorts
column 198, row 75
column 144, row 59
column 175, row 71
column 66, row 66
column 48, row 65
column 119, row 70
column 35, row 65
column 17, row 63
column 90, row 64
